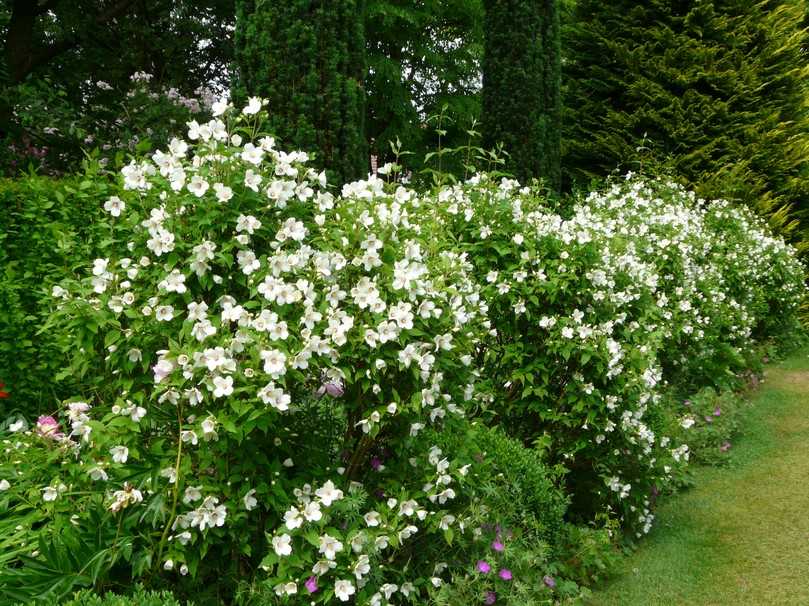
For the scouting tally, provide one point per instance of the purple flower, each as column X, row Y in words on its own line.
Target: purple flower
column 498, row 546
column 491, row 597
column 505, row 574
column 717, row 412
column 549, row 581
column 376, row 463
column 311, row 584
column 483, row 567
column 335, row 390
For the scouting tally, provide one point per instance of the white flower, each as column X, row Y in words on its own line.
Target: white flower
column 687, row 422
column 223, row 192
column 197, row 186
column 274, row 362
column 223, row 386
column 115, row 206
column 4, row 485
column 282, row 545
column 119, row 454
column 329, row 493
column 344, row 590
column 253, row 106
column 312, row 511
column 250, row 502
column 329, row 546
column 49, row 494
column 362, row 567
column 219, row 107
column 371, row 518
column 164, row 313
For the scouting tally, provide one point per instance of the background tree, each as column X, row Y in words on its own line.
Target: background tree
column 715, row 89
column 54, row 51
column 307, row 58
column 422, row 55
column 521, row 85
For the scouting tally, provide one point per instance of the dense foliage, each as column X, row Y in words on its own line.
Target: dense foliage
column 317, row 99
column 521, row 86
column 716, row 90
column 421, row 57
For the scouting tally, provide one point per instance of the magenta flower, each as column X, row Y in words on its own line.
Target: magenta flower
column 491, row 598
column 483, row 567
column 717, row 412
column 49, row 427
column 498, row 546
column 549, row 581
column 505, row 574
column 311, row 584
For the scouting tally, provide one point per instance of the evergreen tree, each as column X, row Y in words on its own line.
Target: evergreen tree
column 714, row 90
column 307, row 58
column 521, row 85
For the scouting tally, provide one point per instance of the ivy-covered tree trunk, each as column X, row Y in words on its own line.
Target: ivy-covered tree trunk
column 521, row 86
column 307, row 57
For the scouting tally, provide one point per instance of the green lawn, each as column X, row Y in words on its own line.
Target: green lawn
column 741, row 536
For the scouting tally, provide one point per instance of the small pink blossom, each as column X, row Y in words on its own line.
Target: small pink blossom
column 49, row 427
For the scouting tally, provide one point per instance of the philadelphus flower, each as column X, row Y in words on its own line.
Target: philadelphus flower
column 253, row 106
column 329, row 546
column 49, row 493
column 344, row 590
column 120, row 454
column 282, row 545
column 329, row 493
column 115, row 206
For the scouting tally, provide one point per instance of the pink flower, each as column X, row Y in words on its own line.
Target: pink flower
column 491, row 598
column 498, row 546
column 311, row 584
column 717, row 412
column 483, row 567
column 549, row 581
column 505, row 574
column 49, row 427
column 725, row 447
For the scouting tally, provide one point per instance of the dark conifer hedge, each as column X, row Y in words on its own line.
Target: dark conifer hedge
column 308, row 58
column 521, row 85
column 715, row 90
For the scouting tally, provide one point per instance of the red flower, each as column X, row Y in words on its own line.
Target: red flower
column 3, row 394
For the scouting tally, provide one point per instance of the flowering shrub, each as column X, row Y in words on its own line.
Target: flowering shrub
column 255, row 363
column 273, row 380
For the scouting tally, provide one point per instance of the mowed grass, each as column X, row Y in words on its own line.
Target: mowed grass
column 741, row 536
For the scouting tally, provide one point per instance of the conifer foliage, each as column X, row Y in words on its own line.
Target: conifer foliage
column 716, row 90
column 521, row 85
column 307, row 58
